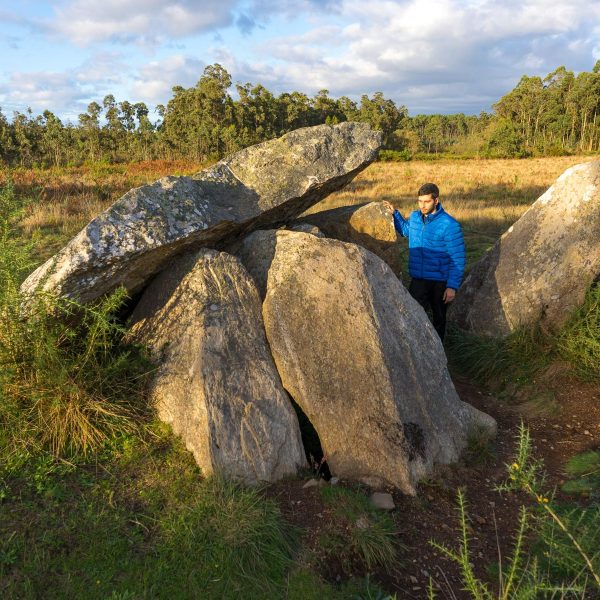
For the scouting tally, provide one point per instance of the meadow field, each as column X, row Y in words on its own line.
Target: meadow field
column 130, row 516
column 486, row 196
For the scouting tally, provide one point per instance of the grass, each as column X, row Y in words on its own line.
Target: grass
column 159, row 530
column 579, row 341
column 584, row 471
column 63, row 200
column 68, row 382
column 361, row 531
column 480, row 448
column 517, row 359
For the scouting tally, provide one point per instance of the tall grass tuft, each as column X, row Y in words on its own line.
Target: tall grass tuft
column 579, row 341
column 488, row 359
column 524, row 352
column 66, row 384
column 369, row 535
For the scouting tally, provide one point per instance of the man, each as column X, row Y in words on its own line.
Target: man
column 436, row 254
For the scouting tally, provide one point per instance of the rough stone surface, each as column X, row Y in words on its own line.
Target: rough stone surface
column 542, row 266
column 306, row 228
column 216, row 382
column 382, row 500
column 360, row 358
column 256, row 252
column 368, row 225
column 269, row 183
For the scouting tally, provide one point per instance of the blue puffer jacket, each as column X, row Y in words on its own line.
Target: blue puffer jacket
column 436, row 249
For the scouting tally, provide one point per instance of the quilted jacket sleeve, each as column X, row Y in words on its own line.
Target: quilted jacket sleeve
column 400, row 224
column 455, row 246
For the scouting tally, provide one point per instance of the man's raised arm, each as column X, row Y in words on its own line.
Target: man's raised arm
column 400, row 223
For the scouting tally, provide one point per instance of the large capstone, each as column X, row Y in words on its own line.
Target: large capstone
column 361, row 359
column 216, row 383
column 541, row 268
column 268, row 183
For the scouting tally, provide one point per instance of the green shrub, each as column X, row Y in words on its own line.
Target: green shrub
column 563, row 562
column 395, row 155
column 68, row 382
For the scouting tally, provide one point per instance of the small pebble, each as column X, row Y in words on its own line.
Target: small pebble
column 311, row 483
column 382, row 500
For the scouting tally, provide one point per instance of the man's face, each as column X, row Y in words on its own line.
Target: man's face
column 427, row 204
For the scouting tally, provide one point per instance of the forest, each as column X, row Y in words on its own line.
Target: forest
column 553, row 116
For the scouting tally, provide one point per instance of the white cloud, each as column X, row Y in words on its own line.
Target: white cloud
column 154, row 81
column 460, row 53
column 140, row 21
column 40, row 91
column 65, row 93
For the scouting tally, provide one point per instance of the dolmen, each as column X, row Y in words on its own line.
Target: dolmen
column 247, row 312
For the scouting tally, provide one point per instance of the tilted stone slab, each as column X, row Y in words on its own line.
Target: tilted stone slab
column 359, row 356
column 368, row 225
column 268, row 183
column 541, row 268
column 216, row 382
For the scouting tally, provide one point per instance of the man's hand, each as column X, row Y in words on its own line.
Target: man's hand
column 449, row 295
column 388, row 206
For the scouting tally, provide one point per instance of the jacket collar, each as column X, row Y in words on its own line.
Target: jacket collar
column 435, row 215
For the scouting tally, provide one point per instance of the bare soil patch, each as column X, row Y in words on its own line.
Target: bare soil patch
column 573, row 427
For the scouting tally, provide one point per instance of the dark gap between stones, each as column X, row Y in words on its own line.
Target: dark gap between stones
column 312, row 444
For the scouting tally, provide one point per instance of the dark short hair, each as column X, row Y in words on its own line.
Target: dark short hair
column 429, row 188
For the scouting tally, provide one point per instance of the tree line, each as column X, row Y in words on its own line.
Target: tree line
column 554, row 115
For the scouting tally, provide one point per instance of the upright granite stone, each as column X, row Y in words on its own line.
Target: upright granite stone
column 359, row 356
column 541, row 268
column 269, row 183
column 368, row 225
column 216, row 382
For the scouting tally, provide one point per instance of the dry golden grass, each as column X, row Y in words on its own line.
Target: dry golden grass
column 496, row 190
column 486, row 196
column 66, row 199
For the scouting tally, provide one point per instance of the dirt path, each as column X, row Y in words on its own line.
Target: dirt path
column 573, row 427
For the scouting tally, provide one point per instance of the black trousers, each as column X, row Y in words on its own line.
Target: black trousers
column 430, row 295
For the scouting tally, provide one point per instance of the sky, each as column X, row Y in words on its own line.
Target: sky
column 432, row 56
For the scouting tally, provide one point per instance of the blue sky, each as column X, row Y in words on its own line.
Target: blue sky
column 430, row 55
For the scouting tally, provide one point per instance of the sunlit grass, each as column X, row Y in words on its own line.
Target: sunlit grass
column 487, row 195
